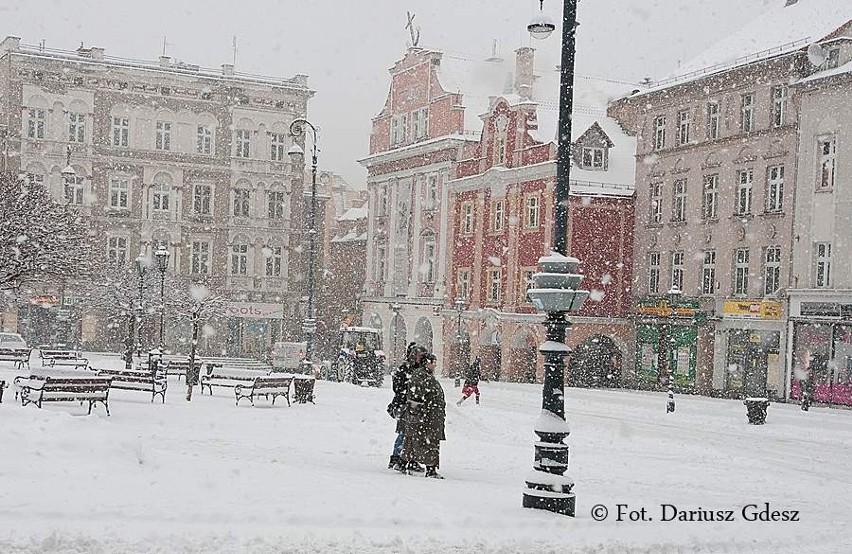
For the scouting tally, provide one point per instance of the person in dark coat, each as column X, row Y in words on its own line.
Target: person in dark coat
column 471, row 381
column 401, row 375
column 425, row 415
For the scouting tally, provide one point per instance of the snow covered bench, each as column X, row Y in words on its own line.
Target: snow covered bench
column 20, row 356
column 35, row 390
column 228, row 377
column 303, row 389
column 63, row 357
column 179, row 366
column 139, row 380
column 270, row 385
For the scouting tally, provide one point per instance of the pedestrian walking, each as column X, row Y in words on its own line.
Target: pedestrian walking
column 396, row 409
column 471, row 381
column 425, row 415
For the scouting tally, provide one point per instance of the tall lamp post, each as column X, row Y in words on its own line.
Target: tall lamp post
column 162, row 256
column 664, row 360
column 141, row 267
column 395, row 308
column 459, row 305
column 555, row 291
column 309, row 326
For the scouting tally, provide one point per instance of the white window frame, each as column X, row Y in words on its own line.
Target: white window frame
column 429, row 251
column 74, row 190
column 708, row 272
column 714, row 120
column 745, row 188
column 467, row 217
column 36, row 123
column 163, row 138
column 239, row 259
column 204, row 140
column 498, row 215
column 202, row 199
column 463, row 283
column 531, row 213
column 659, row 132
column 119, row 193
column 200, row 258
column 495, row 285
column 741, row 271
column 278, row 151
column 593, row 157
column 527, row 282
column 242, row 141
column 679, row 200
column 274, row 261
column 431, row 192
column 656, row 213
column 747, row 112
column 275, row 204
column 399, row 129
column 654, row 259
column 420, row 123
column 241, row 199
column 779, row 105
column 774, row 189
column 710, row 203
column 771, row 270
column 827, row 160
column 822, row 274
column 76, row 127
column 117, row 250
column 120, row 132
column 161, row 197
column 684, row 120
column 381, row 262
column 678, row 269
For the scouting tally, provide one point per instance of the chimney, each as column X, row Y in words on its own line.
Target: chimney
column 97, row 53
column 524, row 59
column 228, row 69
column 165, row 61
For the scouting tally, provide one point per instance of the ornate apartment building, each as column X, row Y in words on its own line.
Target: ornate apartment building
column 167, row 153
column 718, row 164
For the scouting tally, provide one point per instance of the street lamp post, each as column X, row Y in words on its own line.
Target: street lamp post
column 665, row 354
column 162, row 256
column 555, row 291
column 309, row 327
column 459, row 304
column 395, row 308
column 141, row 267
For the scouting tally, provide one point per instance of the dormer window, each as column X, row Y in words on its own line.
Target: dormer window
column 593, row 158
column 501, row 124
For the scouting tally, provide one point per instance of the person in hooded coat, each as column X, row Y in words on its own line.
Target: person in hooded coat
column 425, row 416
column 396, row 408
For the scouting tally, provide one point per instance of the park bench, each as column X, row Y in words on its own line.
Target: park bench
column 36, row 390
column 215, row 376
column 140, row 380
column 266, row 386
column 56, row 357
column 179, row 366
column 20, row 356
column 303, row 389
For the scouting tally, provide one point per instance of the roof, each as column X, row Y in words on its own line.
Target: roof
column 354, row 214
column 841, row 70
column 781, row 29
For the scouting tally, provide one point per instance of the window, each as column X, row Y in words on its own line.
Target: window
column 428, row 269
column 201, row 196
column 772, row 270
column 120, row 132
column 36, row 178
column 653, row 273
column 528, row 282
column 501, row 124
column 467, row 217
column 710, row 202
column 382, row 200
column 823, row 264
column 677, row 269
column 775, row 188
column 497, row 215
column 826, row 150
column 532, row 212
column 74, row 190
column 679, row 201
column 163, row 139
column 117, row 250
column 684, row 126
column 593, row 158
column 276, row 205
column 200, row 258
column 399, row 129
column 35, row 124
column 118, row 190
column 708, row 272
column 76, row 127
column 278, row 151
column 747, row 123
column 779, row 105
column 420, row 123
column 832, row 58
column 741, row 271
column 432, row 192
column 494, row 285
column 273, row 261
column 713, row 121
column 204, row 140
column 381, row 262
column 239, row 259
column 660, row 133
column 241, row 202
column 463, row 284
column 162, row 193
column 745, row 180
column 243, row 143
column 656, row 215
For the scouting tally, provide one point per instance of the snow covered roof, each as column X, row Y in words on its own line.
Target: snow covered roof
column 351, row 236
column 843, row 69
column 354, row 214
column 781, row 29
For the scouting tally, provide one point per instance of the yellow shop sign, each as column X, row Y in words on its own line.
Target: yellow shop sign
column 752, row 309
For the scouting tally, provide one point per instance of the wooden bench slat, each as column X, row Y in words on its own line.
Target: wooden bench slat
column 36, row 389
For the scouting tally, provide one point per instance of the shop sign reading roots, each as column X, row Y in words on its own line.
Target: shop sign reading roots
column 254, row 310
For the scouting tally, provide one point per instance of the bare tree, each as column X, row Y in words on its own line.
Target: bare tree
column 40, row 239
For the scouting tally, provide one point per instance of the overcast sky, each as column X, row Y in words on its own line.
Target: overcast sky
column 347, row 46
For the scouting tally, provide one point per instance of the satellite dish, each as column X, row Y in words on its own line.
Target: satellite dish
column 816, row 55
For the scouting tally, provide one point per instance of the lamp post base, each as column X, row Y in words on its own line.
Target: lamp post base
column 556, row 502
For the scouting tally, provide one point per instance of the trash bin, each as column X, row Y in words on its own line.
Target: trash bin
column 756, row 410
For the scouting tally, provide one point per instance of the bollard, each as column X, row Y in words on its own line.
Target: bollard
column 670, row 403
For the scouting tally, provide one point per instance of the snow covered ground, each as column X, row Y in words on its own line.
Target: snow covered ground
column 208, row 476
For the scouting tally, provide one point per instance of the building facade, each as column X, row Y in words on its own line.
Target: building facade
column 167, row 153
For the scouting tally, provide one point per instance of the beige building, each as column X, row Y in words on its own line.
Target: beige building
column 168, row 153
column 715, row 183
